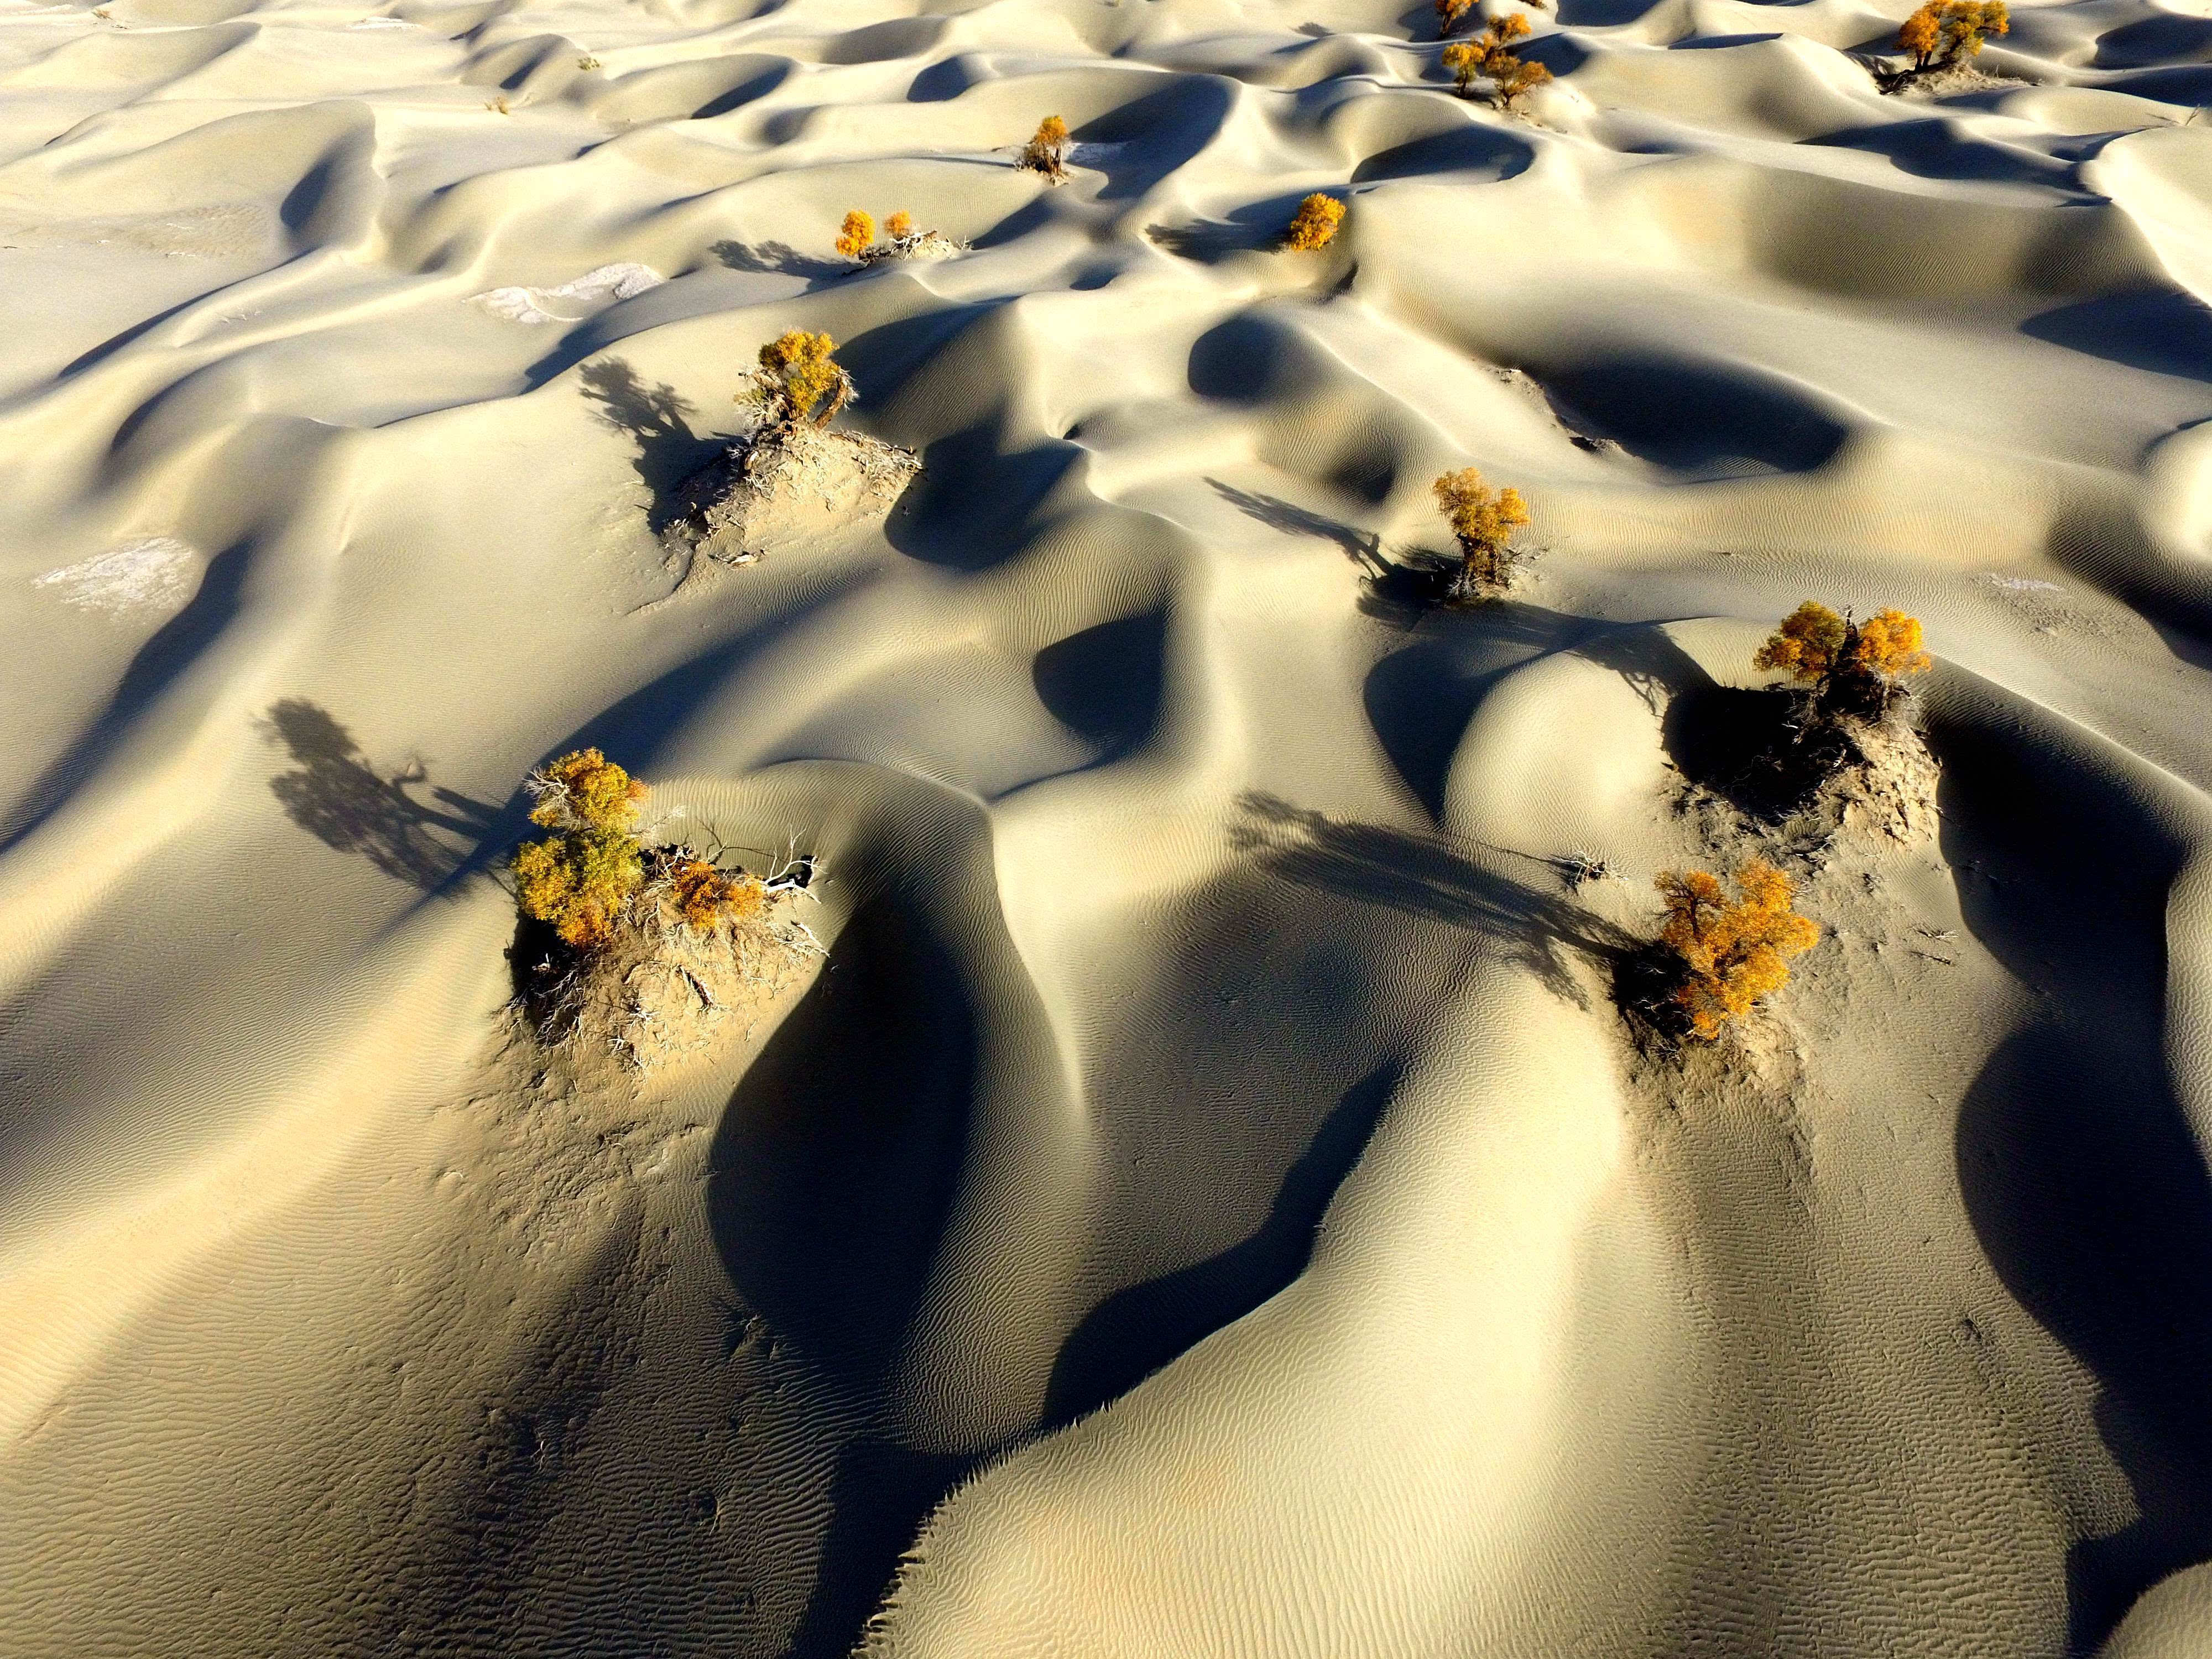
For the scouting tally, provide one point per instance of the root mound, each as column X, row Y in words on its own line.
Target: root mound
column 784, row 485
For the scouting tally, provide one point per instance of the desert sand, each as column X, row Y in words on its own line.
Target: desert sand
column 1206, row 1202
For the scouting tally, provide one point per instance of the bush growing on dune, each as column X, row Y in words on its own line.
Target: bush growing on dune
column 1490, row 55
column 1046, row 153
column 856, row 234
column 1482, row 522
column 619, row 935
column 800, row 382
column 1848, row 668
column 1943, row 31
column 1449, row 13
column 1314, row 227
column 1941, row 36
column 791, row 476
column 1723, row 955
column 858, row 241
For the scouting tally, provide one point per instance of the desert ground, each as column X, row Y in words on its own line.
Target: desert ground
column 1203, row 1198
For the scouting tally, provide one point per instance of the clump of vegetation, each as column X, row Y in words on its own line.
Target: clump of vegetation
column 1721, row 955
column 627, row 939
column 856, row 234
column 1482, row 522
column 1314, row 225
column 1490, row 56
column 581, row 877
column 791, row 474
column 1449, row 13
column 1046, row 153
column 858, row 239
column 1848, row 668
column 800, row 381
column 1941, row 35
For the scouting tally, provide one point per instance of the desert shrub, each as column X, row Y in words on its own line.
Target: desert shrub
column 1046, row 152
column 858, row 231
column 899, row 225
column 1464, row 60
column 799, row 382
column 1314, row 225
column 1491, row 54
column 1943, row 31
column 1849, row 667
column 1449, row 13
column 629, row 940
column 580, row 879
column 1482, row 522
column 1724, row 955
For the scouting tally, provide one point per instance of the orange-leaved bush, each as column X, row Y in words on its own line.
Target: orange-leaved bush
column 1852, row 667
column 856, row 234
column 799, row 381
column 899, row 225
column 1510, row 76
column 1449, row 13
column 1315, row 224
column 1047, row 150
column 705, row 894
column 578, row 879
column 1482, row 521
column 1943, row 31
column 1730, row 953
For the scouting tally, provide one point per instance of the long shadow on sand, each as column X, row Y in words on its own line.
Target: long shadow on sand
column 2076, row 1162
column 657, row 420
column 337, row 797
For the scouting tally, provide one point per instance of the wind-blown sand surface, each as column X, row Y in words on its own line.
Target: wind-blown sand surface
column 1206, row 1204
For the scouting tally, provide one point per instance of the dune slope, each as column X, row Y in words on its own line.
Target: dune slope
column 1204, row 1202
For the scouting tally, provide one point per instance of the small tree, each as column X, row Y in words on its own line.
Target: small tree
column 1850, row 667
column 1314, row 225
column 1464, row 60
column 1047, row 152
column 1510, row 76
column 855, row 235
column 1449, row 13
column 899, row 225
column 1943, row 31
column 1482, row 521
column 799, row 381
column 580, row 879
column 1728, row 955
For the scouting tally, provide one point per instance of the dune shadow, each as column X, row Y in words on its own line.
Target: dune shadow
column 1710, row 420
column 2077, row 1161
column 656, row 419
column 155, row 670
column 338, row 798
column 1434, row 877
column 1473, row 150
column 1106, row 682
column 1135, row 1331
column 1934, row 149
column 2163, row 333
column 836, row 1161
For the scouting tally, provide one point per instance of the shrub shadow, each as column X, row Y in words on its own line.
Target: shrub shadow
column 1435, row 877
column 656, row 419
column 777, row 259
column 338, row 798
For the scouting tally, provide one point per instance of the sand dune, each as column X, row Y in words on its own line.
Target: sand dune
column 1206, row 1203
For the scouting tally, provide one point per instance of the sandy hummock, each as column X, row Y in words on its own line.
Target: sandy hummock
column 1205, row 1202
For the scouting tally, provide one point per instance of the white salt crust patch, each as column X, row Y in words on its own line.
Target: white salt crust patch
column 156, row 574
column 570, row 302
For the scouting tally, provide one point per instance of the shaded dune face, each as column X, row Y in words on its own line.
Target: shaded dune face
column 1202, row 1200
